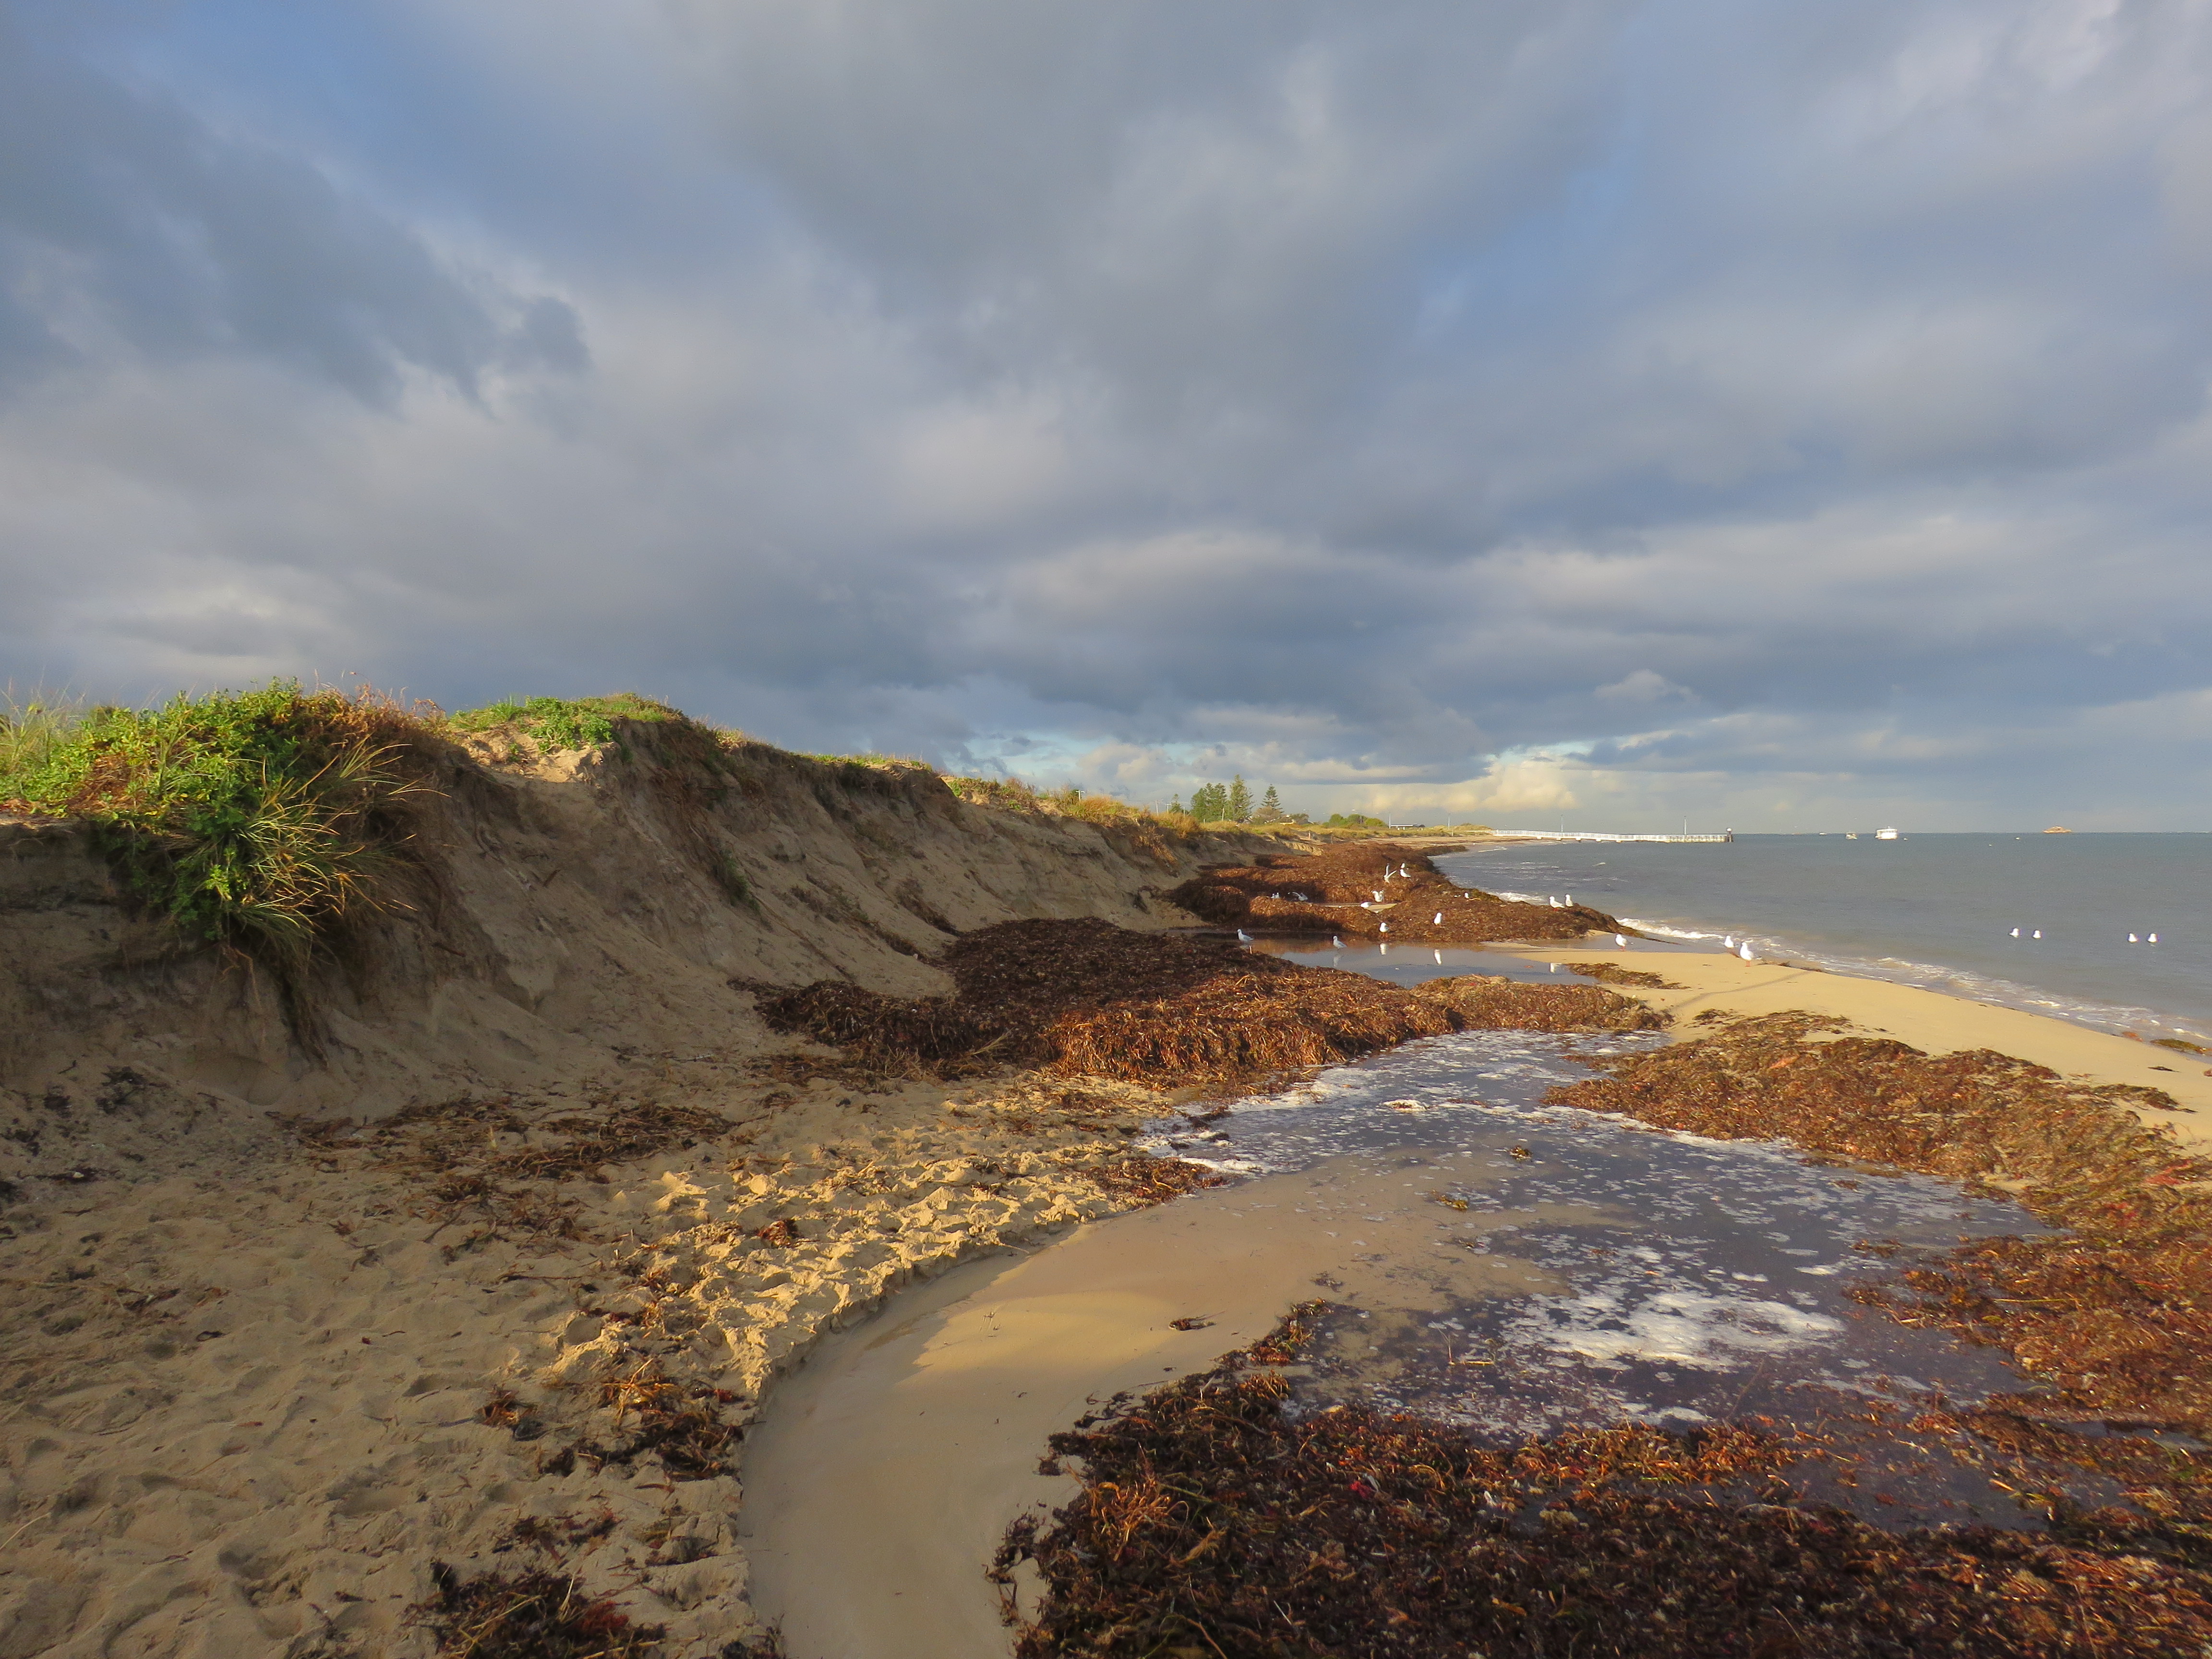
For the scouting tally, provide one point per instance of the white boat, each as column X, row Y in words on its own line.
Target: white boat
column 1887, row 835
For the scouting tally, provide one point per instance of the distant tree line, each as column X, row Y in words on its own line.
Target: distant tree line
column 1232, row 803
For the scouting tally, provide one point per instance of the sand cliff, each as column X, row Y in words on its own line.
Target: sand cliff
column 482, row 1252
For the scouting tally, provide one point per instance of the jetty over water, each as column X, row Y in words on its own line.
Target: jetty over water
column 1597, row 834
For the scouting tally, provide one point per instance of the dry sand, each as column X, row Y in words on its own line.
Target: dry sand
column 243, row 1408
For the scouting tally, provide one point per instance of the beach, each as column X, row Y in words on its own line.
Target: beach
column 721, row 1336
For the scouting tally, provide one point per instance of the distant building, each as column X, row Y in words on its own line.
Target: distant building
column 2058, row 829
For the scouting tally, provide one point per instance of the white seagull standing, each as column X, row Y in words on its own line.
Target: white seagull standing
column 1384, row 927
column 1439, row 921
column 1337, row 939
column 2015, row 932
column 1243, row 937
column 2153, row 940
column 2132, row 939
column 1727, row 942
column 1620, row 941
column 1748, row 953
column 2037, row 934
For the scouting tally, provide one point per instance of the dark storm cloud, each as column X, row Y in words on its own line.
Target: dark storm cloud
column 1597, row 403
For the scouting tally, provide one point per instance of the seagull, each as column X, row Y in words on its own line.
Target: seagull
column 2015, row 932
column 2153, row 940
column 1337, row 939
column 1440, row 958
column 2132, row 939
column 1385, row 927
column 2037, row 934
column 1620, row 941
column 1570, row 899
column 1378, row 898
column 1439, row 921
column 1727, row 942
column 1243, row 937
column 1746, row 953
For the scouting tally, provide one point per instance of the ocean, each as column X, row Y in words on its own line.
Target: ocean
column 1936, row 910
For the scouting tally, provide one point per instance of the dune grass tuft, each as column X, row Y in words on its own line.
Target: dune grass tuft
column 252, row 818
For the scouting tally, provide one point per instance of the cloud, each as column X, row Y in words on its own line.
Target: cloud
column 1619, row 407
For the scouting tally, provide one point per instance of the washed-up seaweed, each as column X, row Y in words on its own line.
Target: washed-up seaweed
column 529, row 1614
column 1087, row 998
column 1355, row 890
column 1612, row 973
column 1154, row 1180
column 1212, row 1523
column 2115, row 1313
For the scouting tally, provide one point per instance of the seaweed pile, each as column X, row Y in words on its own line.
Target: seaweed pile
column 1375, row 891
column 1212, row 1523
column 1087, row 998
column 1612, row 973
column 2115, row 1313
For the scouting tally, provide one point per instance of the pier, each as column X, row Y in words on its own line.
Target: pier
column 1598, row 834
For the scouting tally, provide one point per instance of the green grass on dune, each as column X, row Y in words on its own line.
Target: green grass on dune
column 565, row 722
column 253, row 819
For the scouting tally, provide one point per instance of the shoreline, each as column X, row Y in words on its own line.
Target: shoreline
column 280, row 1367
column 871, row 1391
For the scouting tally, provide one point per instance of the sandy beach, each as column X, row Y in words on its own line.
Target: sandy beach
column 273, row 1367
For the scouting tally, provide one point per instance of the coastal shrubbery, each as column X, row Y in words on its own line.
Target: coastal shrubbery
column 251, row 819
column 564, row 722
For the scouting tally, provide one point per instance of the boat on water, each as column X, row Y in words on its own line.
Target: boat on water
column 1887, row 835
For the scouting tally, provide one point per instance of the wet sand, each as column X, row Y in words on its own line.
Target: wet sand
column 888, row 1470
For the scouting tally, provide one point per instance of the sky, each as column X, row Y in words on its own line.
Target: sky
column 1606, row 413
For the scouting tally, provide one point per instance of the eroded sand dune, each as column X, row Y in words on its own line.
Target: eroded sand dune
column 482, row 1255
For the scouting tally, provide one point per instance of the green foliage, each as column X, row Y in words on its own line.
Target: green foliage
column 1354, row 821
column 31, row 732
column 1230, row 802
column 253, row 819
column 565, row 722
